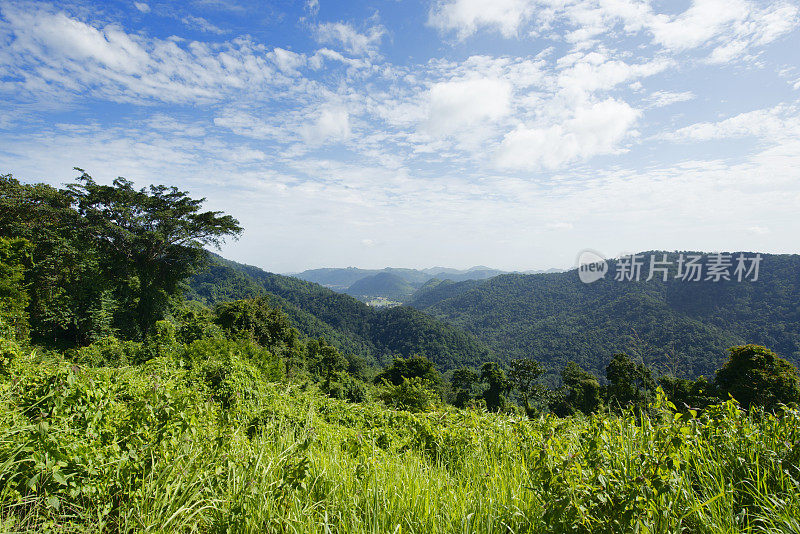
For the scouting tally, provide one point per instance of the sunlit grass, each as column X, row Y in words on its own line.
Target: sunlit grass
column 135, row 450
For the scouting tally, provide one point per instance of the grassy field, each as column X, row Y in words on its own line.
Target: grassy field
column 171, row 446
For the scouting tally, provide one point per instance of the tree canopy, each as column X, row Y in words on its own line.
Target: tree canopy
column 106, row 258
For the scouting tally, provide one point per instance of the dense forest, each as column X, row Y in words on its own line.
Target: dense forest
column 677, row 327
column 148, row 385
column 350, row 325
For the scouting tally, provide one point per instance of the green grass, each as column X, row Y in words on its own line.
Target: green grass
column 149, row 449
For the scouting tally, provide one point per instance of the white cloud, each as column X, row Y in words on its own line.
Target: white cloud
column 465, row 17
column 587, row 73
column 593, row 130
column 312, row 7
column 732, row 27
column 702, row 21
column 777, row 123
column 455, row 105
column 660, row 99
column 247, row 125
column 141, row 6
column 202, row 24
column 54, row 53
column 353, row 42
column 286, row 60
column 331, row 125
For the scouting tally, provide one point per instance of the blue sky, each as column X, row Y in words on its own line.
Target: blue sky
column 509, row 133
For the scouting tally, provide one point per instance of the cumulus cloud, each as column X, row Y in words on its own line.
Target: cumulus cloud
column 465, row 17
column 703, row 20
column 593, row 130
column 286, row 60
column 455, row 105
column 141, row 6
column 332, row 124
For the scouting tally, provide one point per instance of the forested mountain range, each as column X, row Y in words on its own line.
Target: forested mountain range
column 678, row 327
column 393, row 283
column 345, row 322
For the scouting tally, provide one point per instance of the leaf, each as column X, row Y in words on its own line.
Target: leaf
column 59, row 477
column 53, row 502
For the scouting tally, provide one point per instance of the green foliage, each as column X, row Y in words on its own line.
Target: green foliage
column 226, row 364
column 195, row 321
column 9, row 351
column 70, row 292
column 689, row 394
column 407, row 368
column 581, row 392
column 756, row 376
column 349, row 325
column 412, row 394
column 631, row 383
column 111, row 352
column 256, row 319
column 327, row 361
column 678, row 328
column 105, row 259
column 464, row 382
column 13, row 296
column 207, row 443
column 498, row 386
column 523, row 375
column 153, row 237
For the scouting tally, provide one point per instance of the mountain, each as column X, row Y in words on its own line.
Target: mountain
column 676, row 326
column 343, row 279
column 335, row 278
column 383, row 284
column 345, row 322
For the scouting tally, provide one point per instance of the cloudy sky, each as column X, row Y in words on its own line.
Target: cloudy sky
column 509, row 133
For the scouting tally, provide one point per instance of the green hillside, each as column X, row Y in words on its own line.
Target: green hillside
column 676, row 326
column 345, row 322
column 382, row 285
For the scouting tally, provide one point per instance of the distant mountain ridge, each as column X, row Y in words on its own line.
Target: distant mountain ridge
column 391, row 282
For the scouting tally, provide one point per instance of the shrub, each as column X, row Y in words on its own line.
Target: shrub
column 109, row 351
column 413, row 395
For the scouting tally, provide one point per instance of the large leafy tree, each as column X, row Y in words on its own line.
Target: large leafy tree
column 756, row 376
column 582, row 390
column 70, row 300
column 256, row 319
column 498, row 386
column 463, row 382
column 416, row 366
column 153, row 237
column 630, row 383
column 524, row 374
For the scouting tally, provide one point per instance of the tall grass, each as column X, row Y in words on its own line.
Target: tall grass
column 135, row 450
